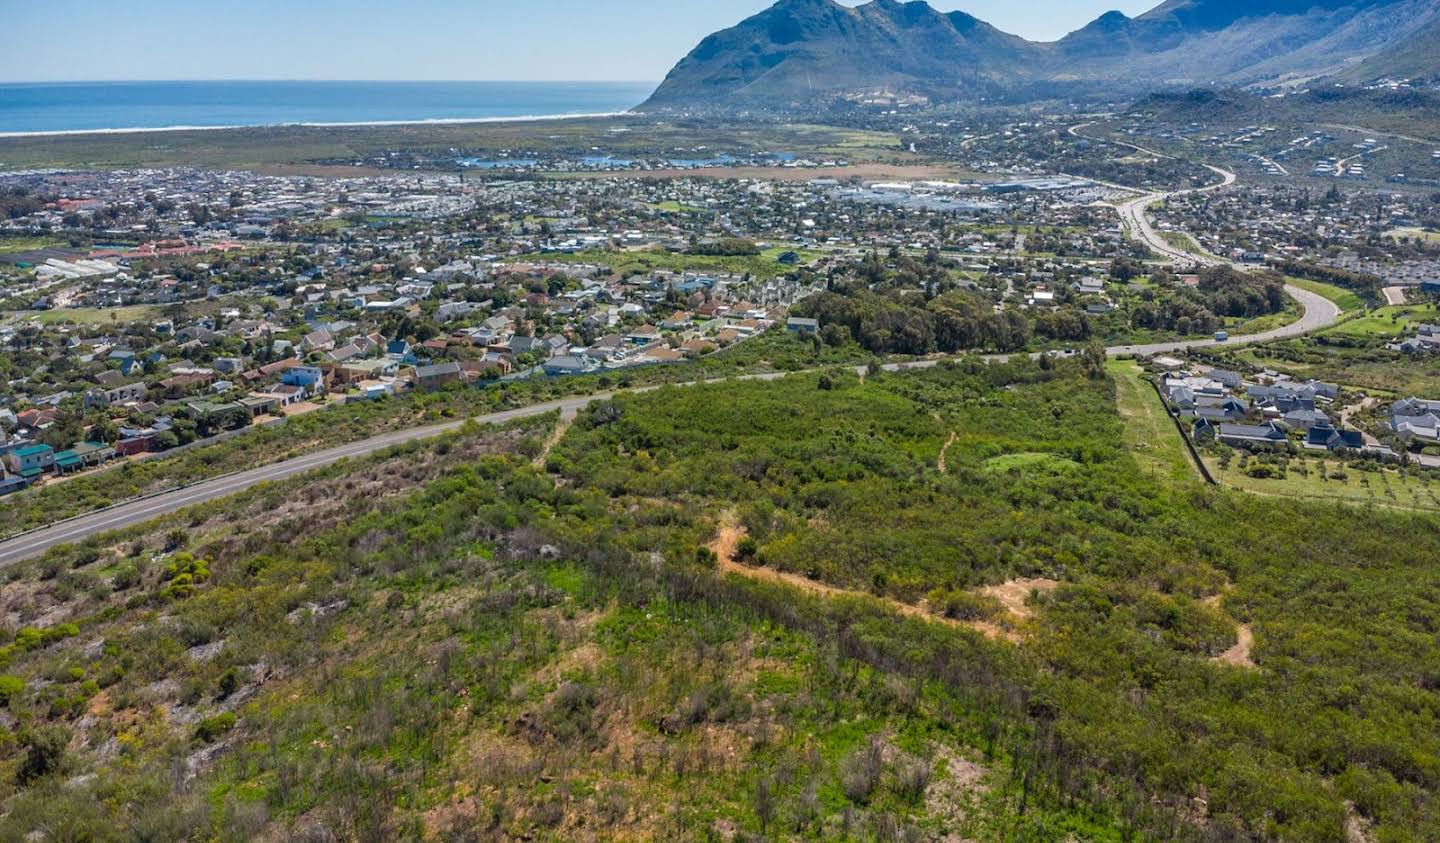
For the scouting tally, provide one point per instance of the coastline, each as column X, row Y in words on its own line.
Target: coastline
column 434, row 121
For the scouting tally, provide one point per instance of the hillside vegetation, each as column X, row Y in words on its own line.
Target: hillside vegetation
column 936, row 605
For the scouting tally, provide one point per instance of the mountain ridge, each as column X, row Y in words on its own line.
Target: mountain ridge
column 805, row 52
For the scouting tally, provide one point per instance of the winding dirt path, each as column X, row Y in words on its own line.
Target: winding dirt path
column 940, row 463
column 1011, row 595
column 567, row 418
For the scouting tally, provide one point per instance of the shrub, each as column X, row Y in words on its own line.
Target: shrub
column 861, row 774
column 182, row 576
column 211, row 729
column 176, row 539
column 44, row 752
column 912, row 779
column 228, row 683
column 10, row 688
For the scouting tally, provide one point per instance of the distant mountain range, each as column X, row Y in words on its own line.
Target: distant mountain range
column 803, row 53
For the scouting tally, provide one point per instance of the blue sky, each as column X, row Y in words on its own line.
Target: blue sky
column 410, row 39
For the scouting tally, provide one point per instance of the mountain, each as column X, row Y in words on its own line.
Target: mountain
column 1197, row 42
column 802, row 53
column 1416, row 57
column 800, row 49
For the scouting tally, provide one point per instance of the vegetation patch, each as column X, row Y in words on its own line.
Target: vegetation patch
column 1021, row 463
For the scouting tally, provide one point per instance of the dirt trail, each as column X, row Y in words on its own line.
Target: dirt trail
column 1357, row 828
column 567, row 418
column 940, row 463
column 1239, row 655
column 1011, row 594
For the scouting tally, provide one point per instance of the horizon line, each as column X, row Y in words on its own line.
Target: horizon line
column 240, row 80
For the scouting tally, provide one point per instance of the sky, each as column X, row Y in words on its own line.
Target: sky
column 549, row 40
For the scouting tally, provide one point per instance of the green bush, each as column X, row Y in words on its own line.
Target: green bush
column 213, row 728
column 10, row 688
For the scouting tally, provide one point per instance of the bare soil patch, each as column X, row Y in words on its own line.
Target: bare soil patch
column 1013, row 594
column 1239, row 655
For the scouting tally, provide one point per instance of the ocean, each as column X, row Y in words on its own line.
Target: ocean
column 108, row 106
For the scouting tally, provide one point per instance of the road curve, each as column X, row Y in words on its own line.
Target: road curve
column 1320, row 312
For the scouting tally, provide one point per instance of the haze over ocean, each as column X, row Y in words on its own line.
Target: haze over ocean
column 89, row 106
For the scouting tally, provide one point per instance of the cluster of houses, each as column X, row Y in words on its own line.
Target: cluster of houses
column 1416, row 421
column 1425, row 341
column 27, row 462
column 1227, row 409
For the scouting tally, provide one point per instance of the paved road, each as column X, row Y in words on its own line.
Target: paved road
column 1319, row 313
column 138, row 511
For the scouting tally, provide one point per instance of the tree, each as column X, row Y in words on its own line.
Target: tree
column 1125, row 269
column 44, row 752
column 1093, row 359
column 105, row 431
column 764, row 804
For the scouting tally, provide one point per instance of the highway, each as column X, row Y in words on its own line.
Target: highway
column 1319, row 313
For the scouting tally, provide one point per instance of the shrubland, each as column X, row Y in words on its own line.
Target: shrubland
column 456, row 640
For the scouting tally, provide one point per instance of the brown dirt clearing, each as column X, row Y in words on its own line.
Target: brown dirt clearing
column 1013, row 594
column 1239, row 655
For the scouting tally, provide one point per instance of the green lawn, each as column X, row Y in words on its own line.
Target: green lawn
column 1149, row 432
column 1390, row 321
column 96, row 315
column 1239, row 327
column 1315, row 478
column 12, row 245
column 1182, row 241
column 1416, row 234
column 673, row 207
column 1347, row 300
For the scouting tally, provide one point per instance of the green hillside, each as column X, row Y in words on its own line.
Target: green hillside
column 945, row 604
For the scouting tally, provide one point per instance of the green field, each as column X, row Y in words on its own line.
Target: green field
column 1316, row 478
column 1347, row 300
column 1149, row 431
column 674, row 207
column 1415, row 234
column 92, row 315
column 1182, row 241
column 763, row 265
column 10, row 245
column 1388, row 321
column 1260, row 324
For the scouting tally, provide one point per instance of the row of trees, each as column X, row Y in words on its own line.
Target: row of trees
column 900, row 321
